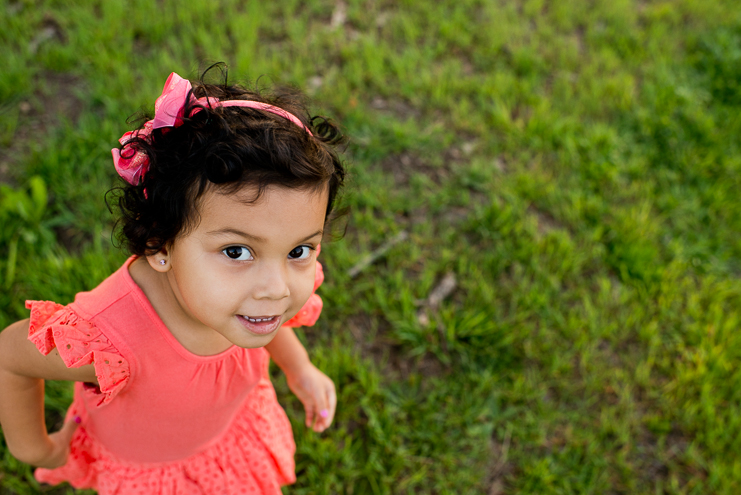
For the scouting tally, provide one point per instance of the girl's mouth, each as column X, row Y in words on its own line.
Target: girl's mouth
column 261, row 325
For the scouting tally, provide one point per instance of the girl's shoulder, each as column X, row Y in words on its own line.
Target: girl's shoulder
column 79, row 343
column 108, row 295
column 82, row 332
column 87, row 311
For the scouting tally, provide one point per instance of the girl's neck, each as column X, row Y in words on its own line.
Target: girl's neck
column 199, row 341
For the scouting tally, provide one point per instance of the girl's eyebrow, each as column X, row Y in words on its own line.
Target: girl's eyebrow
column 318, row 232
column 229, row 230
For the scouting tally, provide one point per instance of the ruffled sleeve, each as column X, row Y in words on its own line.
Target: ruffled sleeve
column 79, row 343
column 309, row 314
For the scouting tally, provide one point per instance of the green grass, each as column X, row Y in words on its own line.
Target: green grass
column 576, row 165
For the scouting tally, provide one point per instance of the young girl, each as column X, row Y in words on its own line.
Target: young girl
column 227, row 195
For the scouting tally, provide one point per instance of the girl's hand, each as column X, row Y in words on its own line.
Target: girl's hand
column 316, row 392
column 57, row 449
column 312, row 387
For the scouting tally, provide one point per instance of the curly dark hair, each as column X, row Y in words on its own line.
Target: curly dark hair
column 227, row 148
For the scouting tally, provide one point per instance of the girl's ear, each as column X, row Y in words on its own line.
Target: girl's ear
column 160, row 261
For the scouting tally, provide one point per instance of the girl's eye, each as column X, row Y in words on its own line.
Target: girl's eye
column 238, row 253
column 300, row 253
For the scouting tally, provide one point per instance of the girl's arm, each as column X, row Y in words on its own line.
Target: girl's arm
column 313, row 388
column 23, row 370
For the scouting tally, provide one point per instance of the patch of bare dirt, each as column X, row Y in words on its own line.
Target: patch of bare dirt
column 49, row 31
column 56, row 99
column 41, row 112
column 580, row 33
column 666, row 458
column 397, row 107
column 404, row 165
column 500, row 466
column 546, row 221
column 371, row 339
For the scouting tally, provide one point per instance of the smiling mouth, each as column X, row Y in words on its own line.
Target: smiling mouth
column 260, row 319
column 261, row 325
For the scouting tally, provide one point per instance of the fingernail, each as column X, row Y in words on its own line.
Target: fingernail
column 78, row 420
column 324, row 413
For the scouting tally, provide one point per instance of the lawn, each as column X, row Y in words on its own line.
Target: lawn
column 569, row 171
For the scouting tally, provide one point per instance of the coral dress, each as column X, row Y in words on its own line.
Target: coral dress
column 164, row 420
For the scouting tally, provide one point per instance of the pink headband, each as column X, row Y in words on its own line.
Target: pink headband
column 132, row 164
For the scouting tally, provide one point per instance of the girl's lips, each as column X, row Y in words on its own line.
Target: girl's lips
column 260, row 325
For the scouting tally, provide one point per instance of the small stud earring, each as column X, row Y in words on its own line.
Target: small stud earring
column 163, row 262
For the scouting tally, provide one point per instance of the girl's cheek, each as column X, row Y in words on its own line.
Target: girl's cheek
column 307, row 280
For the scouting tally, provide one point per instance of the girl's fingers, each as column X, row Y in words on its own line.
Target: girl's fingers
column 309, row 415
column 319, row 401
column 318, row 411
column 321, row 423
column 332, row 399
column 69, row 428
column 318, row 419
column 60, row 441
column 326, row 410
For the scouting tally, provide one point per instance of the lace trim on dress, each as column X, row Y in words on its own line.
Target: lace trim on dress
column 79, row 343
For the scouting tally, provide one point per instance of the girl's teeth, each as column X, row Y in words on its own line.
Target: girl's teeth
column 257, row 320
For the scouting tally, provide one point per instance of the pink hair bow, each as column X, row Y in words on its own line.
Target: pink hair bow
column 132, row 163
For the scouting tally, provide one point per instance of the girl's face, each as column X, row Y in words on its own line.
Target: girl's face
column 248, row 267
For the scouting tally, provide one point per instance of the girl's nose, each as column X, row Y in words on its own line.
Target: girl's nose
column 271, row 283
